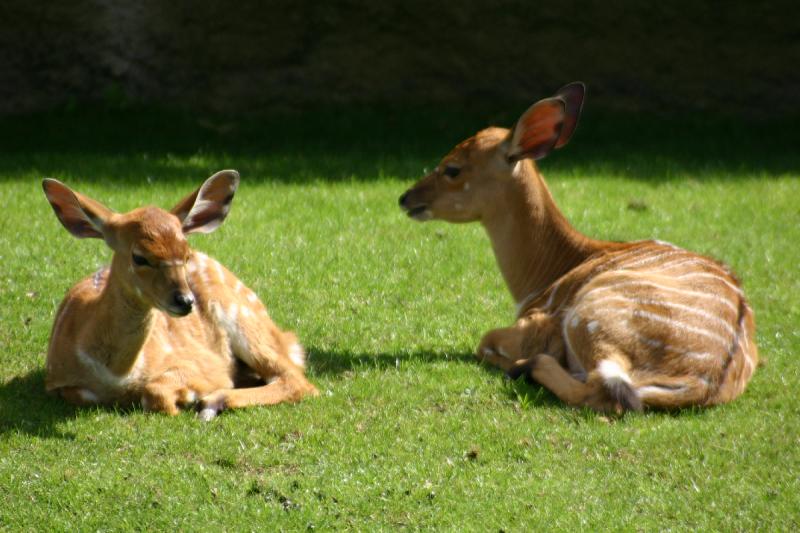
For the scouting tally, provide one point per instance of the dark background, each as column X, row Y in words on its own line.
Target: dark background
column 735, row 58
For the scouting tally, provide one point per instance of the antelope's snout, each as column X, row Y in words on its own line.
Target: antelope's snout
column 182, row 303
column 414, row 204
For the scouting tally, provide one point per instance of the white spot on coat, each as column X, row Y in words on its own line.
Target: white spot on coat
column 611, row 370
column 227, row 321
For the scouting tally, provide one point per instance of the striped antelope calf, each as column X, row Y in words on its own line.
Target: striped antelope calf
column 127, row 334
column 612, row 326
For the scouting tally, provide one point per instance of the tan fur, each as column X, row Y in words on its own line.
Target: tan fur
column 607, row 325
column 114, row 340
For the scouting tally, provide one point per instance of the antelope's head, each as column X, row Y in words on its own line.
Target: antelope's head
column 149, row 243
column 469, row 179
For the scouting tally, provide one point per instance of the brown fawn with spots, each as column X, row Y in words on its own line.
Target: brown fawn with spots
column 164, row 325
column 609, row 325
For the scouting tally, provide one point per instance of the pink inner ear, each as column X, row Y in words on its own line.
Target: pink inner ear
column 65, row 205
column 540, row 128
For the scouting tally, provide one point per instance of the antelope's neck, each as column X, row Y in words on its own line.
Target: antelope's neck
column 533, row 242
column 121, row 327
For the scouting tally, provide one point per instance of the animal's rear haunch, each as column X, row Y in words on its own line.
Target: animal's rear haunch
column 612, row 326
column 166, row 326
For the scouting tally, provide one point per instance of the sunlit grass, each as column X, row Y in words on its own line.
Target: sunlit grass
column 408, row 431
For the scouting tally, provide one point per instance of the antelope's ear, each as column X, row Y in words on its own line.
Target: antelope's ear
column 573, row 95
column 547, row 124
column 82, row 216
column 205, row 209
column 537, row 130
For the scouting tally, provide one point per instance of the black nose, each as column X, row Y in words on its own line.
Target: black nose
column 402, row 199
column 183, row 301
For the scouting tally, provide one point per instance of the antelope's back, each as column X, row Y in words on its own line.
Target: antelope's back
column 670, row 310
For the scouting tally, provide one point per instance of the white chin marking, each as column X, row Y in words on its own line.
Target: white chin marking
column 422, row 217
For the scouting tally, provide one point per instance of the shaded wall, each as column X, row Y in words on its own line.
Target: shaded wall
column 731, row 56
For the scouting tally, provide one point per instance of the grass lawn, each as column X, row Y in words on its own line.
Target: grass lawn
column 409, row 431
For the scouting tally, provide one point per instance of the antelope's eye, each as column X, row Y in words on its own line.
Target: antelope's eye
column 139, row 260
column 451, row 171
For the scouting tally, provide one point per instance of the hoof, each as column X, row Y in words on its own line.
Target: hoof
column 521, row 368
column 210, row 407
column 207, row 414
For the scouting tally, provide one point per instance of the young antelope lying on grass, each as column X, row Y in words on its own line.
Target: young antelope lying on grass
column 166, row 326
column 612, row 326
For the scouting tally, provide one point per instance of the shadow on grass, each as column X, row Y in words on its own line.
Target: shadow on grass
column 333, row 362
column 368, row 144
column 26, row 408
column 523, row 391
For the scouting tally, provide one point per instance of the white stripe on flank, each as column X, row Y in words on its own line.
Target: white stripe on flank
column 742, row 342
column 647, row 301
column 636, row 252
column 653, row 343
column 610, row 265
column 553, row 291
column 573, row 363
column 749, row 364
column 677, row 325
column 650, row 259
column 681, row 261
column 649, row 391
column 686, row 292
column 710, row 275
column 692, row 261
column 665, row 243
column 251, row 296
